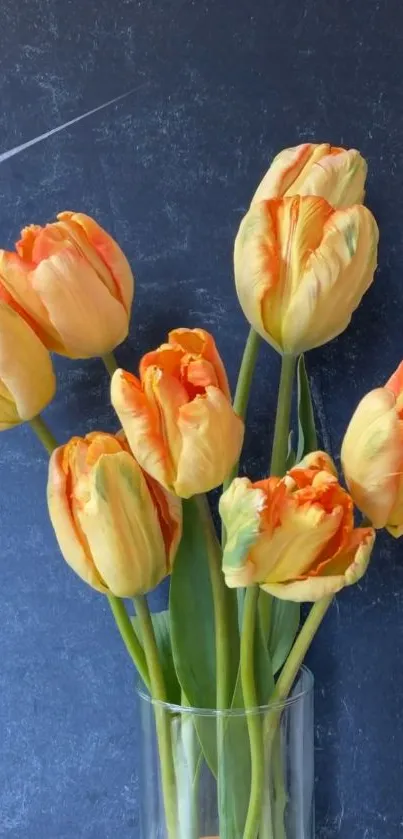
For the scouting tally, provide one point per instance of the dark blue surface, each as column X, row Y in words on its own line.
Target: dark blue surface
column 219, row 88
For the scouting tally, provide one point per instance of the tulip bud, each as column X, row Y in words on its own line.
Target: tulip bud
column 301, row 269
column 294, row 536
column 27, row 381
column 372, row 455
column 178, row 416
column 330, row 172
column 117, row 528
column 72, row 280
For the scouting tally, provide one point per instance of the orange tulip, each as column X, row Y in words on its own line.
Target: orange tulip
column 117, row 528
column 330, row 172
column 178, row 416
column 72, row 281
column 301, row 269
column 372, row 455
column 27, row 380
column 294, row 536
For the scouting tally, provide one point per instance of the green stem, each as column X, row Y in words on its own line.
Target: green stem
column 43, row 433
column 110, row 362
column 282, row 424
column 253, row 719
column 243, row 387
column 300, row 647
column 129, row 637
column 222, row 597
column 162, row 719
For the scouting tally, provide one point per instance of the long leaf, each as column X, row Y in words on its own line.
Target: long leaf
column 162, row 636
column 192, row 624
column 284, row 623
column 191, row 614
column 307, row 437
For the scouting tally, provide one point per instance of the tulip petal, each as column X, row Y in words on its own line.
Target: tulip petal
column 169, row 508
column 240, row 510
column 16, row 289
column 351, row 567
column 72, row 543
column 286, row 169
column 89, row 320
column 371, row 455
column 103, row 253
column 297, row 542
column 212, row 436
column 337, row 274
column 333, row 173
column 274, row 242
column 198, row 342
column 26, row 374
column 141, row 425
column 121, row 525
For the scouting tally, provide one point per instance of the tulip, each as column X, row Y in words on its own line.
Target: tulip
column 117, row 528
column 330, row 172
column 301, row 269
column 294, row 536
column 27, row 380
column 372, row 455
column 178, row 416
column 70, row 279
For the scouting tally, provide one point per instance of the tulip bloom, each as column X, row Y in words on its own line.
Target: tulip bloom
column 27, row 380
column 294, row 536
column 372, row 455
column 178, row 416
column 301, row 269
column 72, row 281
column 330, row 172
column 117, row 528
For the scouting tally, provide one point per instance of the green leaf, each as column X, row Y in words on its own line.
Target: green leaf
column 307, row 438
column 191, row 612
column 192, row 623
column 163, row 638
column 291, row 455
column 284, row 624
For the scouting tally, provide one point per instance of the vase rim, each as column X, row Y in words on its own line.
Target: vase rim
column 304, row 674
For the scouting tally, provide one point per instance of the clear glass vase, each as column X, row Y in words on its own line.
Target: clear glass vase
column 232, row 774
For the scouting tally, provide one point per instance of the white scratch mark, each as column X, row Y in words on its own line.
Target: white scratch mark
column 17, row 149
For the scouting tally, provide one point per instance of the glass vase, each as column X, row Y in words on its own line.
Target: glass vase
column 230, row 774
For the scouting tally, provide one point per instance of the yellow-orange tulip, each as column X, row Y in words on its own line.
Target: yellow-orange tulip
column 372, row 455
column 301, row 269
column 294, row 536
column 27, row 381
column 178, row 417
column 117, row 528
column 320, row 169
column 73, row 281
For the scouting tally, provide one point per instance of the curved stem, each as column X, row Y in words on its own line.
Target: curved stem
column 221, row 600
column 44, row 433
column 244, row 384
column 110, row 362
column 162, row 720
column 300, row 647
column 282, row 424
column 129, row 637
column 253, row 719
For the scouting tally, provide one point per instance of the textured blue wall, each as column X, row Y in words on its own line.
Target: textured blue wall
column 219, row 88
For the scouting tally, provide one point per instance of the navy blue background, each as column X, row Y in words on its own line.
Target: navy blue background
column 219, row 88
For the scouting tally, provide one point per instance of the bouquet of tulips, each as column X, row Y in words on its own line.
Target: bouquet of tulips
column 130, row 508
